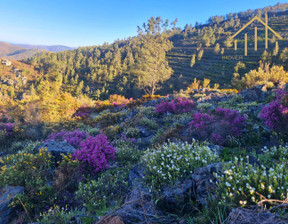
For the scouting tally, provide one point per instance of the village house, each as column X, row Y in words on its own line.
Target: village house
column 6, row 62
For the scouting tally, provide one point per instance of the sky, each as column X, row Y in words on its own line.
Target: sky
column 77, row 23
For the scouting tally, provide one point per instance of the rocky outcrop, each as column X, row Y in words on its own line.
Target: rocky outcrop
column 257, row 93
column 57, row 148
column 6, row 196
column 200, row 186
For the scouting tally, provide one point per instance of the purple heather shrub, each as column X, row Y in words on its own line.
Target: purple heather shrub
column 82, row 112
column 95, row 153
column 74, row 138
column 275, row 114
column 7, row 128
column 200, row 123
column 218, row 126
column 126, row 139
column 177, row 106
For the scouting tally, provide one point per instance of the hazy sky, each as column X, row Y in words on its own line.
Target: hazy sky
column 92, row 22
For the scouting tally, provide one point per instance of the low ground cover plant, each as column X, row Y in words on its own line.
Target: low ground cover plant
column 171, row 161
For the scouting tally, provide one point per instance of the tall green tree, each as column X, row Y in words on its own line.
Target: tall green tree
column 151, row 67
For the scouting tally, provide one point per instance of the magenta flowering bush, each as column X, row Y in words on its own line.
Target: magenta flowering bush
column 275, row 114
column 82, row 112
column 74, row 138
column 95, row 153
column 177, row 106
column 218, row 126
column 7, row 128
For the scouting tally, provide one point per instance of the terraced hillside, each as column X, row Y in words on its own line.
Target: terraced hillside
column 215, row 66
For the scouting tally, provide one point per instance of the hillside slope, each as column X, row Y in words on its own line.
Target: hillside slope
column 52, row 48
column 100, row 71
column 16, row 52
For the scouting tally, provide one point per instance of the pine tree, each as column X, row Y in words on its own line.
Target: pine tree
column 151, row 67
column 200, row 54
column 193, row 60
column 217, row 48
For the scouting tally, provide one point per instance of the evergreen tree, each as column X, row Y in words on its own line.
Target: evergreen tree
column 152, row 66
column 200, row 54
column 217, row 48
column 193, row 60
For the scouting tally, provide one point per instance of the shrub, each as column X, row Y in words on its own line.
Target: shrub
column 32, row 172
column 177, row 106
column 131, row 132
column 107, row 190
column 95, row 153
column 149, row 123
column 26, row 146
column 217, row 127
column 60, row 215
column 275, row 113
column 273, row 155
column 74, row 138
column 23, row 169
column 7, row 128
column 83, row 112
column 243, row 184
column 67, row 175
column 171, row 161
column 127, row 152
column 264, row 75
column 116, row 100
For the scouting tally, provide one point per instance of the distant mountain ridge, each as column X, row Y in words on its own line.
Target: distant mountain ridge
column 53, row 48
column 10, row 51
column 20, row 51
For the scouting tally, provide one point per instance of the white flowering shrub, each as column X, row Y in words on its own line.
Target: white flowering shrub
column 243, row 184
column 107, row 190
column 273, row 155
column 59, row 215
column 171, row 161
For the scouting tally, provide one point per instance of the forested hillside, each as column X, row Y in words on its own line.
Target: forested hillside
column 99, row 71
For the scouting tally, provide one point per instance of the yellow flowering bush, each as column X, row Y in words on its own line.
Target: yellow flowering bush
column 32, row 172
column 23, row 168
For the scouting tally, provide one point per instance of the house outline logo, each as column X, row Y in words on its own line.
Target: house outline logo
column 267, row 27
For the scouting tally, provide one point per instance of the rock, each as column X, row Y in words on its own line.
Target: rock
column 216, row 148
column 144, row 131
column 205, row 182
column 257, row 93
column 215, row 96
column 6, row 196
column 136, row 174
column 57, row 148
column 200, row 186
column 143, row 143
column 174, row 198
column 110, row 220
